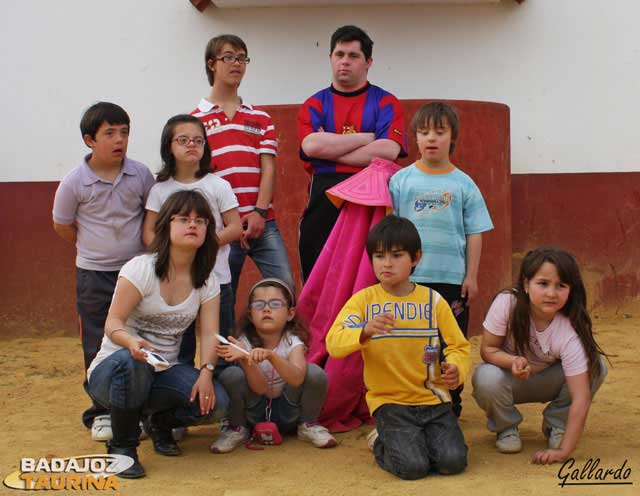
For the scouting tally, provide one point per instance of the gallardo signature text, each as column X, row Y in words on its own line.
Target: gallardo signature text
column 592, row 474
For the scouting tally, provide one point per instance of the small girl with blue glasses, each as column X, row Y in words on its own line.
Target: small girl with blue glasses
column 272, row 380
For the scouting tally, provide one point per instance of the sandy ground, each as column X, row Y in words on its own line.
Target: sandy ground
column 42, row 400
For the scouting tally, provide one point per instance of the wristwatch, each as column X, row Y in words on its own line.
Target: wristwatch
column 261, row 212
column 208, row 366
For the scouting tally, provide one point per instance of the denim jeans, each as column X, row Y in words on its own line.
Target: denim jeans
column 415, row 440
column 94, row 291
column 267, row 252
column 124, row 383
column 295, row 405
column 498, row 392
column 188, row 345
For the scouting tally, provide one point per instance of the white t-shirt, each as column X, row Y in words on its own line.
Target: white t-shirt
column 221, row 199
column 161, row 325
column 559, row 341
column 276, row 383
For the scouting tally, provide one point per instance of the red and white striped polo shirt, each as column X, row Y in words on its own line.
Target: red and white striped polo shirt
column 236, row 146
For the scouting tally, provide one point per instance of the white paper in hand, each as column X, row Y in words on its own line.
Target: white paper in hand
column 224, row 340
column 156, row 361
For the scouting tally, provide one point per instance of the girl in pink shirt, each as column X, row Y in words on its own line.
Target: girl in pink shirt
column 538, row 346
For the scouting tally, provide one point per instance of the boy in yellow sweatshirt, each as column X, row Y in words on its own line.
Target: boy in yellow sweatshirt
column 413, row 353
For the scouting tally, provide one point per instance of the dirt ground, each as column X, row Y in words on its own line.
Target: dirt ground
column 41, row 402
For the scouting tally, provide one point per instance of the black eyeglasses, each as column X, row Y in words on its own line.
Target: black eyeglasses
column 273, row 304
column 230, row 59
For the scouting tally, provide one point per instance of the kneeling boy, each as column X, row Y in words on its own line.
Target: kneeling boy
column 413, row 353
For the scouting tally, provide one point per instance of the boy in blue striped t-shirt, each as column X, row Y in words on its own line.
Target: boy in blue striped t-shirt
column 448, row 210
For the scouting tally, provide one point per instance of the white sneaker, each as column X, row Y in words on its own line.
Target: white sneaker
column 508, row 441
column 230, row 438
column 555, row 438
column 101, row 428
column 371, row 438
column 316, row 434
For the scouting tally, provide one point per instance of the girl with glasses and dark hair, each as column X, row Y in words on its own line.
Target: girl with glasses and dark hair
column 157, row 297
column 185, row 166
column 272, row 381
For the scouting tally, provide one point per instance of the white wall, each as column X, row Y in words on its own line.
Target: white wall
column 568, row 69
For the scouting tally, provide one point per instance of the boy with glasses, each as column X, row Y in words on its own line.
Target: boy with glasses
column 243, row 149
column 99, row 206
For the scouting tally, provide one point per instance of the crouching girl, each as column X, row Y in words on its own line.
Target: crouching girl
column 273, row 380
column 158, row 295
column 538, row 346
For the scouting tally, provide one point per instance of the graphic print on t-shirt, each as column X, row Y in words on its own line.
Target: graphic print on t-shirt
column 432, row 201
column 349, row 129
column 252, row 127
column 211, row 123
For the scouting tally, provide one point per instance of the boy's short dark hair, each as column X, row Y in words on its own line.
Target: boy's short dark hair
column 215, row 45
column 352, row 33
column 437, row 114
column 101, row 112
column 394, row 232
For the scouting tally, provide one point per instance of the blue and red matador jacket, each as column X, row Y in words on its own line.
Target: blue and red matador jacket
column 367, row 110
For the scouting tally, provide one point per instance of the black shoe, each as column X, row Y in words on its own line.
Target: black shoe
column 135, row 471
column 163, row 442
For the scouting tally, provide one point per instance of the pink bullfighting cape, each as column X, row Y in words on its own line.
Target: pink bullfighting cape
column 342, row 269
